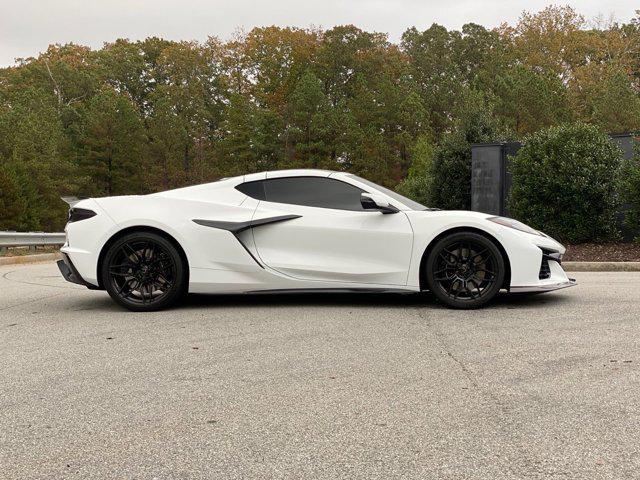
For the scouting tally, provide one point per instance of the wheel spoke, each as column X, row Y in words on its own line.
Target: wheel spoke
column 120, row 274
column 122, row 265
column 479, row 254
column 166, row 283
column 465, row 270
column 446, row 259
column 456, row 287
column 129, row 251
column 485, row 280
column 142, row 272
column 143, row 293
column 448, row 252
column 443, row 279
column 148, row 252
column 486, row 271
column 125, row 285
column 472, row 281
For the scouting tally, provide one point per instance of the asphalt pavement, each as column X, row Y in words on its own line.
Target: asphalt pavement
column 319, row 386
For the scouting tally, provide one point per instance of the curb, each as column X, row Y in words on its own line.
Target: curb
column 601, row 266
column 26, row 259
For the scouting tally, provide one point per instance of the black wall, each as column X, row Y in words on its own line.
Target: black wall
column 491, row 180
column 490, row 177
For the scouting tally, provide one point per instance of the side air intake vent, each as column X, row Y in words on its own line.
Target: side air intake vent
column 545, row 271
column 547, row 256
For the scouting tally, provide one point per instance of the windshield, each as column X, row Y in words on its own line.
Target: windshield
column 396, row 196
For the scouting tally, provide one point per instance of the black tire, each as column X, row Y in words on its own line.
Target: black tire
column 143, row 272
column 464, row 270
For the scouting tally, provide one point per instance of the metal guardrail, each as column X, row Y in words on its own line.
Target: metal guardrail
column 30, row 239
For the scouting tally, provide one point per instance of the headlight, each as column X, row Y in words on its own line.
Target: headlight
column 511, row 223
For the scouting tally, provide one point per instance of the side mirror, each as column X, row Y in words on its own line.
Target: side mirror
column 372, row 201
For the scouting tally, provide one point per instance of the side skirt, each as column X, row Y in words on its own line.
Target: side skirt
column 330, row 290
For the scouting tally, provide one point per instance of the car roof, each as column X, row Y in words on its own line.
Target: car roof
column 294, row 172
column 298, row 172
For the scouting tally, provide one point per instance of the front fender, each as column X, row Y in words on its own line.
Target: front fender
column 523, row 250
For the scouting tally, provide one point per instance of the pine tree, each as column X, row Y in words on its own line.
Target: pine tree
column 114, row 139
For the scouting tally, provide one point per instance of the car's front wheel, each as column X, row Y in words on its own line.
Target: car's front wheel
column 143, row 271
column 464, row 270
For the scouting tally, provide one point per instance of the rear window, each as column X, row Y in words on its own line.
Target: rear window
column 252, row 189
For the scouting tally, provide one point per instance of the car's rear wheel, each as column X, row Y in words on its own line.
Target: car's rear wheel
column 143, row 271
column 464, row 270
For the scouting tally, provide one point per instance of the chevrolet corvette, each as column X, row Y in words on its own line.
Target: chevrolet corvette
column 299, row 230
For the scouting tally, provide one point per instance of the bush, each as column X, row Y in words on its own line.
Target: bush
column 452, row 173
column 630, row 192
column 452, row 159
column 564, row 183
column 418, row 185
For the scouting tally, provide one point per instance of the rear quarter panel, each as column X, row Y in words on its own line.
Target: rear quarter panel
column 204, row 247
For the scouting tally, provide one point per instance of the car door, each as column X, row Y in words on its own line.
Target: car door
column 331, row 238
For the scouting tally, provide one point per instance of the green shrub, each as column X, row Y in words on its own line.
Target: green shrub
column 564, row 183
column 452, row 159
column 630, row 191
column 452, row 173
column 418, row 185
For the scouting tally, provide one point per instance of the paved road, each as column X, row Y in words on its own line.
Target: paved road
column 329, row 386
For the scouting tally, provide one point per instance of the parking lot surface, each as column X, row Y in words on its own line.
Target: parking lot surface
column 319, row 386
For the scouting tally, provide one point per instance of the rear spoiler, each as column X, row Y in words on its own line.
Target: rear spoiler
column 72, row 200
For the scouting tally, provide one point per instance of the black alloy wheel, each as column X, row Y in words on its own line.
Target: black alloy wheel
column 143, row 272
column 465, row 270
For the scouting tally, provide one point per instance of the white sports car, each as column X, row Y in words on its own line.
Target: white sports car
column 302, row 230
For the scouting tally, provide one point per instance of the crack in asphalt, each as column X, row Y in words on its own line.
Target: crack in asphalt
column 6, row 277
column 30, row 301
column 504, row 422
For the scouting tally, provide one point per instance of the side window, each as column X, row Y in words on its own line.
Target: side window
column 319, row 192
column 252, row 189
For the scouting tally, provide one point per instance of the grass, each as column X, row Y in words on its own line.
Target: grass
column 22, row 251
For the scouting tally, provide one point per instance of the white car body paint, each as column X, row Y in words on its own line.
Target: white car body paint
column 323, row 248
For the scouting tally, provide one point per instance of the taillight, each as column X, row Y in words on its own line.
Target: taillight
column 77, row 214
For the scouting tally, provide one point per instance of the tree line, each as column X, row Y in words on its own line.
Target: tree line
column 136, row 117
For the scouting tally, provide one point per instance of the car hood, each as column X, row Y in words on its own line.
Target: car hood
column 452, row 213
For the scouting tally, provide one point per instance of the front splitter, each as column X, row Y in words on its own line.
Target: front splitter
column 544, row 288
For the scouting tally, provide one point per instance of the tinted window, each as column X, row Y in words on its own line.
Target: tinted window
column 313, row 192
column 396, row 196
column 252, row 189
